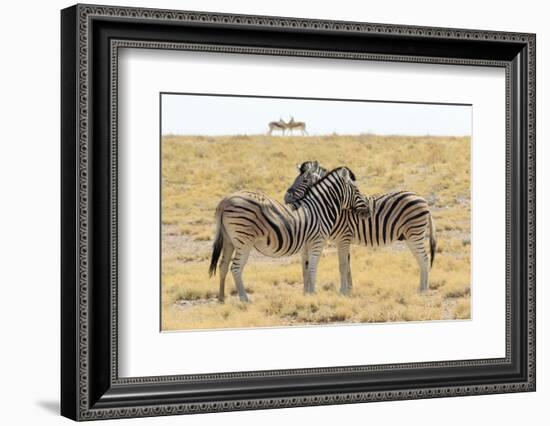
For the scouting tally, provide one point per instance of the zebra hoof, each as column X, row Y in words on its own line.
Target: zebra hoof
column 221, row 299
column 345, row 291
column 244, row 299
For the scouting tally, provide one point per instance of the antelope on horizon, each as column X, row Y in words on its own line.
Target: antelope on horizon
column 296, row 125
column 280, row 126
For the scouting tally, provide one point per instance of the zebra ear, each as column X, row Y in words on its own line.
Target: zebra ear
column 306, row 165
column 346, row 173
column 350, row 173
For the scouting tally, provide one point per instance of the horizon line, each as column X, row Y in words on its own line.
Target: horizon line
column 315, row 134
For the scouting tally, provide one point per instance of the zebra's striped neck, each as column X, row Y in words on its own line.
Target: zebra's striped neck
column 326, row 196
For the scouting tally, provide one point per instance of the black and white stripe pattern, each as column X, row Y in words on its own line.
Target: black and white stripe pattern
column 402, row 216
column 247, row 220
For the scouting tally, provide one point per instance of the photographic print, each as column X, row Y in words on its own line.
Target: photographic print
column 291, row 212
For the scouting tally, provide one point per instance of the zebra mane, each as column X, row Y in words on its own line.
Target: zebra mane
column 330, row 173
column 351, row 174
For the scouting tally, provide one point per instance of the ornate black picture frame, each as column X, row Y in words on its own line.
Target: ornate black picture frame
column 91, row 36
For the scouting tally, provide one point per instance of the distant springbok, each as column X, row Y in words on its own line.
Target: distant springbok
column 296, row 125
column 280, row 125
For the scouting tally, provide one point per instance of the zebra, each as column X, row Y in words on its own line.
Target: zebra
column 247, row 220
column 277, row 125
column 296, row 125
column 401, row 215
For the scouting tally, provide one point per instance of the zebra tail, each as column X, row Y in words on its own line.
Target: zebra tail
column 218, row 243
column 433, row 242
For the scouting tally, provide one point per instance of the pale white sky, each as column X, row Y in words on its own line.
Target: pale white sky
column 232, row 115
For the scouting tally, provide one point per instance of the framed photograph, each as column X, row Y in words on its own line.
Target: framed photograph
column 263, row 212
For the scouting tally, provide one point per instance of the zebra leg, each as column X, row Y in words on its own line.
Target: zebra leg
column 228, row 249
column 305, row 265
column 313, row 261
column 350, row 282
column 419, row 251
column 345, row 269
column 240, row 259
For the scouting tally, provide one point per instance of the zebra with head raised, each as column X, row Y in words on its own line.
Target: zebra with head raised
column 247, row 220
column 402, row 216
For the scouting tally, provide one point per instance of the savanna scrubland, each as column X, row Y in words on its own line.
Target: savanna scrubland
column 198, row 171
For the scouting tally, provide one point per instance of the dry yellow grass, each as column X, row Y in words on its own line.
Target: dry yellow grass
column 198, row 171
